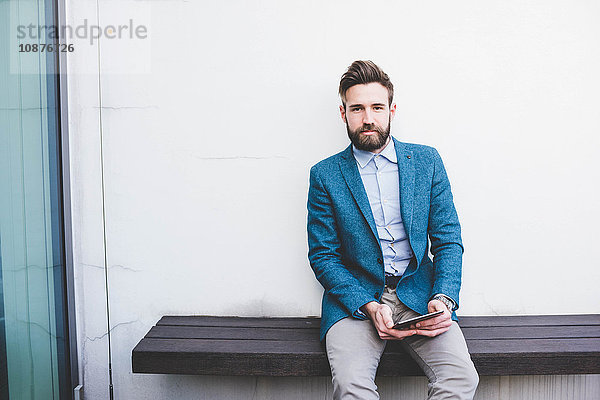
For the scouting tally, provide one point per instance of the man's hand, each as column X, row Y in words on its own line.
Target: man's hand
column 435, row 326
column 381, row 315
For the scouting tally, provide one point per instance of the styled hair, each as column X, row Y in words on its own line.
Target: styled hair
column 362, row 72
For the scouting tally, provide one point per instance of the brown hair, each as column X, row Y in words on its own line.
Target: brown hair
column 361, row 72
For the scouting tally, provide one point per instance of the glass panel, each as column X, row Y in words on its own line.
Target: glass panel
column 33, row 348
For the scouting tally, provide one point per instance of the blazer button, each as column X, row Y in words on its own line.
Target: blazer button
column 379, row 261
column 376, row 295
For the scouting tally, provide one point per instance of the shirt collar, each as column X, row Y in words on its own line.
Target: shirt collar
column 364, row 157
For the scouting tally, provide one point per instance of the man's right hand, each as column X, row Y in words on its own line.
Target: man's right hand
column 381, row 316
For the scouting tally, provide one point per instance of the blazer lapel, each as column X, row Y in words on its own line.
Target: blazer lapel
column 406, row 173
column 353, row 180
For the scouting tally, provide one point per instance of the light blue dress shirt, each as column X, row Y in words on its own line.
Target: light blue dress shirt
column 379, row 174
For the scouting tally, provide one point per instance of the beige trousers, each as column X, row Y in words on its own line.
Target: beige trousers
column 354, row 349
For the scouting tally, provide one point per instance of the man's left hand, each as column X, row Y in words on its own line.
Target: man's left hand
column 435, row 326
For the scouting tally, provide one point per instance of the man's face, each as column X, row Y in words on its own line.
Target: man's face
column 367, row 116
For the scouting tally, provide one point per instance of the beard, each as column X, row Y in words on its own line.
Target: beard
column 369, row 142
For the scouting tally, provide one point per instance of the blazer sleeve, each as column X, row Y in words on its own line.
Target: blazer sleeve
column 325, row 251
column 444, row 234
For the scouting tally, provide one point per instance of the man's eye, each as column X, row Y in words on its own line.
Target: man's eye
column 378, row 108
column 355, row 109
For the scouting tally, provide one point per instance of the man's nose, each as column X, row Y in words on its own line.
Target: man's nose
column 368, row 117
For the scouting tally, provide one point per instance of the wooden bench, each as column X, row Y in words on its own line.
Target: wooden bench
column 510, row 345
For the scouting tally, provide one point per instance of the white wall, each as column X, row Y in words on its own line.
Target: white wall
column 210, row 125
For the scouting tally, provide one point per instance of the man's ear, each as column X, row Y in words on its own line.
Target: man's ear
column 343, row 112
column 392, row 111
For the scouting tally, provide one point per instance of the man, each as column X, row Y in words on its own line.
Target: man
column 374, row 211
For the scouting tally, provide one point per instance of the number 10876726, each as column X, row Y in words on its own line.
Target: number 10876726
column 48, row 48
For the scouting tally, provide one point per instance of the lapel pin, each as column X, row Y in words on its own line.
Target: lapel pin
column 408, row 157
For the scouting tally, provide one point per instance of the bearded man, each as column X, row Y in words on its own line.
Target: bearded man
column 375, row 211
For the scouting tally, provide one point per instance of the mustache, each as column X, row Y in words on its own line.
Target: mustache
column 371, row 127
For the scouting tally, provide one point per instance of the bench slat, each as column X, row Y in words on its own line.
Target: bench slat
column 232, row 346
column 313, row 322
column 202, row 332
column 534, row 346
column 240, row 322
column 285, row 334
column 529, row 320
column 532, row 332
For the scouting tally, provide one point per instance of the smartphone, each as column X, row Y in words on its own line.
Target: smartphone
column 407, row 323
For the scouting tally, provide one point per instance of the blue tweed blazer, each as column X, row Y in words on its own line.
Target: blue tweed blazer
column 344, row 250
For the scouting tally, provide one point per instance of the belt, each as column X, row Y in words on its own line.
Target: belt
column 392, row 280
